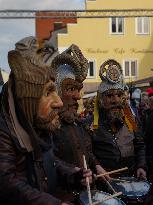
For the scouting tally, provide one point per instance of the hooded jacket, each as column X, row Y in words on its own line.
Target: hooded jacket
column 28, row 168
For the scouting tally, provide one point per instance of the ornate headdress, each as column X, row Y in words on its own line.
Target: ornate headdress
column 70, row 64
column 111, row 76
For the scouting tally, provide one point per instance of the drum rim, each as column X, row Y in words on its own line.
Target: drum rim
column 135, row 180
column 108, row 194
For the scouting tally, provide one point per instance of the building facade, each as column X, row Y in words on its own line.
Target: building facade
column 128, row 40
column 45, row 26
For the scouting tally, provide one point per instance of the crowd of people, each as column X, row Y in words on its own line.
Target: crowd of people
column 43, row 138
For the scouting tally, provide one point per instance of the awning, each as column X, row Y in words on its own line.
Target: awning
column 90, row 95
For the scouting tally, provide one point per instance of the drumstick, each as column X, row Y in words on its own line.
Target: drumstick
column 87, row 181
column 110, row 186
column 107, row 198
column 112, row 172
column 120, row 180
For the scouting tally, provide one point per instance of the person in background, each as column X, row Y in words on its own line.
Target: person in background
column 143, row 110
column 135, row 100
column 149, row 139
column 29, row 171
column 87, row 115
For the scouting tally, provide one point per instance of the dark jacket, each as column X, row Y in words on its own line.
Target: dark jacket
column 149, row 142
column 109, row 150
column 72, row 141
column 27, row 177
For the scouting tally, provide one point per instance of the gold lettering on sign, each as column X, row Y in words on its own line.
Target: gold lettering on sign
column 119, row 51
column 136, row 51
column 98, row 50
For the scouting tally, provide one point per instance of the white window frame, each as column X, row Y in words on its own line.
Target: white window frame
column 136, row 26
column 94, row 69
column 130, row 77
column 110, row 26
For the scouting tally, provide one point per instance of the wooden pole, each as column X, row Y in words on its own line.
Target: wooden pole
column 87, row 181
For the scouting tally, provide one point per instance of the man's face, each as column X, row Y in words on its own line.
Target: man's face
column 71, row 94
column 48, row 107
column 113, row 99
column 112, row 102
column 126, row 99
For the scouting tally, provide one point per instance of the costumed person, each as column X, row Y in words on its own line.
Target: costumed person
column 144, row 110
column 117, row 142
column 135, row 101
column 29, row 111
column 72, row 140
column 87, row 116
column 149, row 139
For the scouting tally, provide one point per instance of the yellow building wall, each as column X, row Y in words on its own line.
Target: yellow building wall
column 119, row 4
column 96, row 42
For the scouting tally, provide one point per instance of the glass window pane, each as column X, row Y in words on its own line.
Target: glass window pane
column 133, row 68
column 146, row 25
column 113, row 25
column 91, row 68
column 139, row 25
column 127, row 73
column 57, row 25
column 120, row 25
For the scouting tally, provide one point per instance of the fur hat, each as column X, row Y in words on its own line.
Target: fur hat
column 111, row 76
column 29, row 82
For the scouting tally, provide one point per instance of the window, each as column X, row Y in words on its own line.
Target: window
column 142, row 25
column 117, row 25
column 130, row 68
column 57, row 25
column 91, row 69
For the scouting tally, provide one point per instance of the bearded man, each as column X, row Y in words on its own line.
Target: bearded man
column 72, row 140
column 29, row 111
column 117, row 141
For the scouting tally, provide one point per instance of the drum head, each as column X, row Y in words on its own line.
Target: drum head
column 131, row 187
column 99, row 196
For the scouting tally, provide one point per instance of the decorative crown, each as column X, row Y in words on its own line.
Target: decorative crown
column 111, row 71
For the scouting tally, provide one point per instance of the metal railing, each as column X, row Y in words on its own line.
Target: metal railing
column 30, row 14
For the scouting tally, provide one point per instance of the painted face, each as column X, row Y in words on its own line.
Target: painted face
column 71, row 94
column 48, row 107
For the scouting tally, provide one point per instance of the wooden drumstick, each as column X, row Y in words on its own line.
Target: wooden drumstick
column 110, row 186
column 87, row 181
column 107, row 198
column 112, row 172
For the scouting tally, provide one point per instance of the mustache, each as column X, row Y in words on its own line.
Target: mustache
column 53, row 114
column 69, row 104
column 73, row 104
column 116, row 107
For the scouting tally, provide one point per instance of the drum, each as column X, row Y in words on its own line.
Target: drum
column 99, row 196
column 133, row 190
